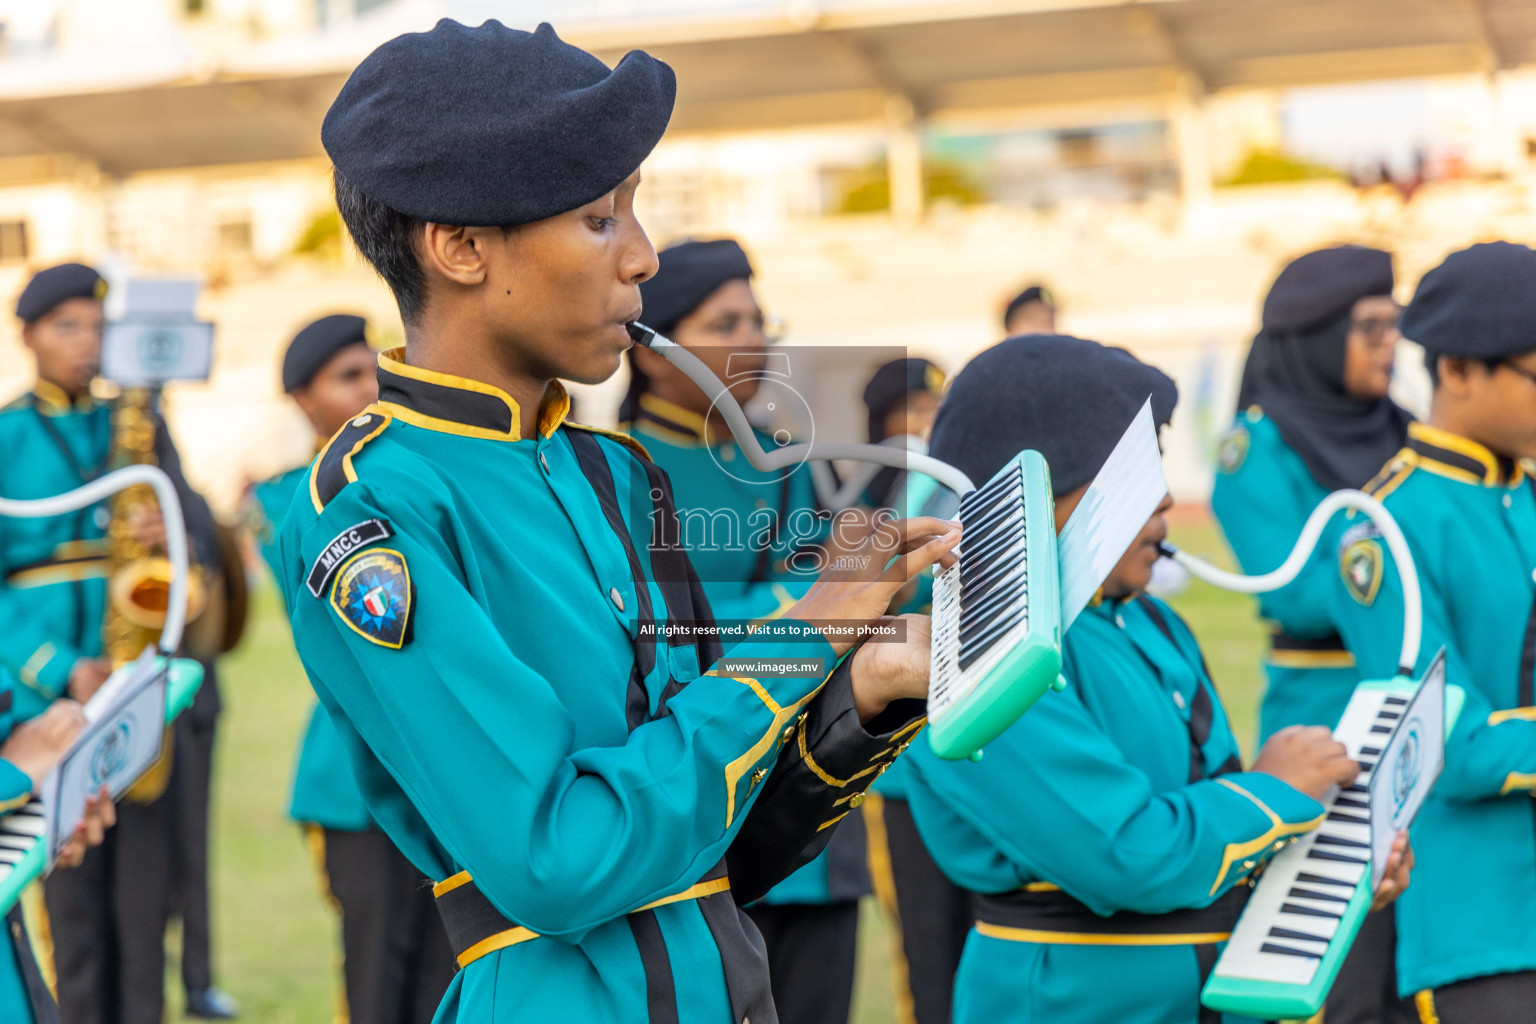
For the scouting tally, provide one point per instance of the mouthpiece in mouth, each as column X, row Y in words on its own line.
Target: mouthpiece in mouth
column 640, row 334
column 1166, row 549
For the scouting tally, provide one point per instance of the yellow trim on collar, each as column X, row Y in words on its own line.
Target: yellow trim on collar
column 1492, row 474
column 686, row 418
column 553, row 408
column 55, row 401
column 1518, row 781
column 997, row 931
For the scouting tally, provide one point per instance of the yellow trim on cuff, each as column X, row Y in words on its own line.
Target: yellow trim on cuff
column 834, row 821
column 67, row 572
column 997, row 931
column 1424, row 1002
column 14, row 803
column 781, row 717
column 818, row 771
column 1512, row 715
column 1041, row 887
column 35, row 664
column 451, row 883
column 1236, row 852
column 1518, row 781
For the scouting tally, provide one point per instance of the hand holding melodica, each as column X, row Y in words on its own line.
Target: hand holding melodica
column 865, row 567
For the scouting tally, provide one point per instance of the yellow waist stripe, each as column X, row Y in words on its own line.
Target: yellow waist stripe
column 519, row 934
column 997, row 931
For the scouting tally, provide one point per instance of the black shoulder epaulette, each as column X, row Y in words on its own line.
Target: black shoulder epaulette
column 333, row 467
column 623, row 439
column 1399, row 465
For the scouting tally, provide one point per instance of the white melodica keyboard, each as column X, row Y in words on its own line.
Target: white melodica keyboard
column 996, row 612
column 1310, row 901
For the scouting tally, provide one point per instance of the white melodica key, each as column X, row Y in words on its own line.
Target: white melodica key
column 1298, row 905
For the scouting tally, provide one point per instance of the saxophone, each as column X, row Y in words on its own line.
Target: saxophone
column 139, row 579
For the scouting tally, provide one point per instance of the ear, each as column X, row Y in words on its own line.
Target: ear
column 456, row 253
column 27, row 338
column 1454, row 372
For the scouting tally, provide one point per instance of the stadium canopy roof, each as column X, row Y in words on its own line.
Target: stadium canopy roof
column 769, row 64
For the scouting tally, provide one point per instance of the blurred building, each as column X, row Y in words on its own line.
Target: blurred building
column 896, row 166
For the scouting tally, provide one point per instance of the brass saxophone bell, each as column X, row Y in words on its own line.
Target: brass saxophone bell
column 141, row 592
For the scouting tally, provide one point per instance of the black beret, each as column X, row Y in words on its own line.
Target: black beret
column 1034, row 293
column 1067, row 398
column 897, row 379
column 689, row 273
column 58, row 284
column 314, row 346
column 1322, row 286
column 1479, row 304
column 492, row 125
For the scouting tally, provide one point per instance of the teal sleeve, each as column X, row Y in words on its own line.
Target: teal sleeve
column 15, row 787
column 33, row 652
column 1060, row 803
column 1261, row 508
column 759, row 601
column 559, row 839
column 1488, row 754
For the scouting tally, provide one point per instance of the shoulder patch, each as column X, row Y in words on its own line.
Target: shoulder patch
column 613, row 435
column 1234, row 449
column 1360, row 562
column 333, row 466
column 372, row 594
column 348, row 541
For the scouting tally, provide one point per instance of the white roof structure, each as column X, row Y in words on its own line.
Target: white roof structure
column 199, row 99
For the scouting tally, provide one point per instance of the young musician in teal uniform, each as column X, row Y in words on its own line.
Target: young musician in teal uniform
column 1314, row 417
column 1466, row 931
column 108, row 917
column 1111, row 834
column 396, row 964
column 28, row 752
column 701, row 297
column 482, row 603
column 929, row 916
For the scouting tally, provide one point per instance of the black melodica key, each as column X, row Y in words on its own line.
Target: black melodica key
column 978, row 618
column 1351, row 801
column 1353, row 819
column 1311, row 879
column 1326, row 840
column 1381, row 729
column 1399, row 701
column 1343, row 858
column 971, row 650
column 1290, row 933
column 1307, row 894
column 1371, row 751
column 1275, row 947
column 1356, row 788
column 1296, row 908
column 1389, row 716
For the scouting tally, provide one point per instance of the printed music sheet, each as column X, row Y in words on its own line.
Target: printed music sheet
column 1114, row 509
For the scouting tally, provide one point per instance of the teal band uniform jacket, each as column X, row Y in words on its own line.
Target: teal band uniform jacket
column 24, row 998
column 475, row 611
column 1110, row 833
column 325, row 793
column 1262, row 497
column 742, row 526
column 1470, row 522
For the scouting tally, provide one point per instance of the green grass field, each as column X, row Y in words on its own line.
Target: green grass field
column 276, row 939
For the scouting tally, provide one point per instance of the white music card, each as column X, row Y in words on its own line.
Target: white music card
column 119, row 745
column 1122, row 497
column 1408, row 766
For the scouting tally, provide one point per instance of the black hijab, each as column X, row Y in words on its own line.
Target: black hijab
column 1295, row 369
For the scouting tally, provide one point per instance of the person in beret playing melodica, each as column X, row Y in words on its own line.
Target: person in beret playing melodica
column 474, row 591
column 395, row 959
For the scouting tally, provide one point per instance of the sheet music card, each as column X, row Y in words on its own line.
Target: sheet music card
column 1408, row 767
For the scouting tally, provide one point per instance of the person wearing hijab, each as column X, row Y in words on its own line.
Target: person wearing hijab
column 1467, row 930
column 901, row 399
column 1314, row 417
column 742, row 528
column 1097, row 832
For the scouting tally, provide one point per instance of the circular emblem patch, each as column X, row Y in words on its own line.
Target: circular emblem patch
column 1233, row 450
column 111, row 754
column 372, row 594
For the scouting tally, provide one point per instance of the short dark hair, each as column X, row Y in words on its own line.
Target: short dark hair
column 1432, row 364
column 387, row 239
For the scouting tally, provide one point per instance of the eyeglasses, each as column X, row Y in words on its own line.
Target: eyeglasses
column 1375, row 329
column 728, row 327
column 1521, row 371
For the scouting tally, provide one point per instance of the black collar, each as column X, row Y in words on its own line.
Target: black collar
column 458, row 405
column 671, row 421
column 1452, row 455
